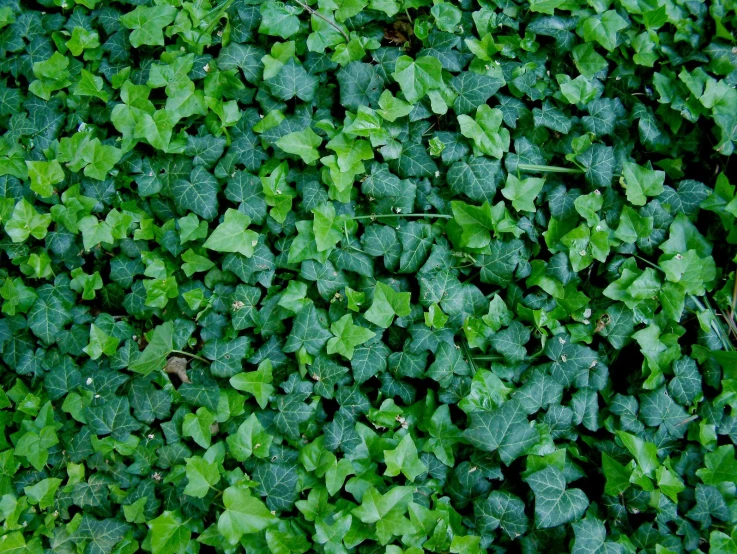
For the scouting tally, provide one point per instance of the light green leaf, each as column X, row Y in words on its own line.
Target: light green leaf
column 387, row 303
column 169, row 534
column 258, row 383
column 202, row 475
column 232, row 235
column 301, row 143
column 347, row 336
column 243, row 515
column 404, row 459
column 417, row 77
column 156, row 352
column 640, row 182
column 44, row 175
column 522, row 192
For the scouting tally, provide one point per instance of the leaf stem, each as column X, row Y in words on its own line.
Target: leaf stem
column 195, row 356
column 488, row 358
column 330, row 22
column 548, row 168
column 376, row 216
column 467, row 352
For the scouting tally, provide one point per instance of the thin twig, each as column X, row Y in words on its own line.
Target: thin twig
column 195, row 356
column 325, row 19
column 375, row 216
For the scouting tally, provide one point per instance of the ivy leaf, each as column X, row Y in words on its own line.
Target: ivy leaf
column 505, row 429
column 641, row 182
column 250, row 439
column 301, row 143
column 44, row 175
column 148, row 24
column 279, row 19
column 603, row 28
column 719, row 466
column 112, row 418
column 347, row 336
column 258, row 383
column 554, row 504
column 510, row 342
column 387, row 303
column 243, row 515
column 486, row 131
column 157, row 351
column 417, row 77
column 201, row 476
column 522, row 192
column 475, row 221
column 169, row 533
column 233, row 235
column 404, row 459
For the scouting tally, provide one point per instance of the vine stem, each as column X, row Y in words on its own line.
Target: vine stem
column 333, row 24
column 548, row 168
column 195, row 356
column 375, row 216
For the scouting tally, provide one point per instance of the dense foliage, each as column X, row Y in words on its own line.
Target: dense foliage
column 376, row 276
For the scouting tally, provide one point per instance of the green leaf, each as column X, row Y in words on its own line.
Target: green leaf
column 486, row 131
column 522, row 192
column 258, row 383
column 202, row 475
column 233, row 235
column 640, row 182
column 720, row 466
column 386, row 304
column 301, row 143
column 603, row 28
column 250, row 439
column 199, row 426
column 148, row 24
column 25, row 222
column 376, row 506
column 645, row 453
column 392, row 108
column 169, row 534
column 35, row 446
column 81, row 40
column 505, row 429
column 347, row 336
column 617, row 475
column 157, row 351
column 279, row 19
column 44, row 175
column 42, row 493
column 417, row 77
column 632, row 226
column 404, row 459
column 243, row 515
column 554, row 504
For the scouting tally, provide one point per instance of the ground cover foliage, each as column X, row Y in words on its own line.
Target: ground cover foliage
column 376, row 276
